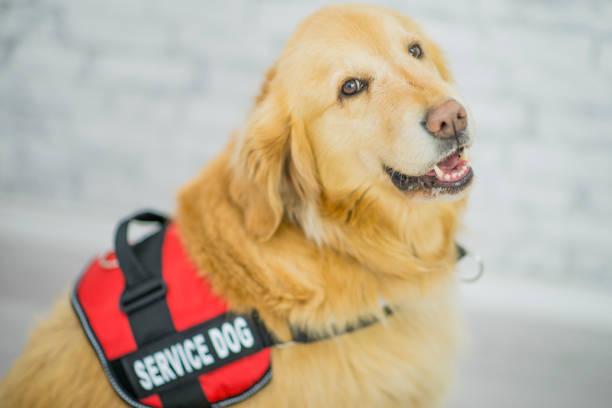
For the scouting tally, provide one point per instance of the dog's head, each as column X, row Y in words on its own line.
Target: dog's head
column 359, row 108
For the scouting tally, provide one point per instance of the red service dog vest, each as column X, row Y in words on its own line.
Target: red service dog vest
column 163, row 337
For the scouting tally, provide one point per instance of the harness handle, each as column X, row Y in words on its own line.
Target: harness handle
column 142, row 286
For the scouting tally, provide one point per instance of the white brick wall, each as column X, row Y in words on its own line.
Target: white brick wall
column 119, row 103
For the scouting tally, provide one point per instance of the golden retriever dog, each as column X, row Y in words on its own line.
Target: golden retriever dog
column 342, row 190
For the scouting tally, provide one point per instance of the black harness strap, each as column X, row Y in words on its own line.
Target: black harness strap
column 299, row 335
column 144, row 299
column 461, row 252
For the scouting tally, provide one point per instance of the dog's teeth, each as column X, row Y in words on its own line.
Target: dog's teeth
column 447, row 177
column 439, row 172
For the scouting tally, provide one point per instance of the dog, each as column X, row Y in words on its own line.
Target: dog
column 342, row 190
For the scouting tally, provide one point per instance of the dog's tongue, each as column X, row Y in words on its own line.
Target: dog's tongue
column 449, row 163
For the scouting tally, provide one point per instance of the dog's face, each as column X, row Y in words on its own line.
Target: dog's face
column 364, row 102
column 381, row 109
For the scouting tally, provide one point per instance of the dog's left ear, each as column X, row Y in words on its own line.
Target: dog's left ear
column 273, row 159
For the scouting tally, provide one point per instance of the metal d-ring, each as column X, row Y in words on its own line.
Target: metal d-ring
column 479, row 268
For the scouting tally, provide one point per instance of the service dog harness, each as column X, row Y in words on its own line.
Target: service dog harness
column 163, row 337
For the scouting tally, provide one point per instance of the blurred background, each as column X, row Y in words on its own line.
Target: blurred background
column 110, row 106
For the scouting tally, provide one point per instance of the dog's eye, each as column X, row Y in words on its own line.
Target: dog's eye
column 353, row 86
column 416, row 51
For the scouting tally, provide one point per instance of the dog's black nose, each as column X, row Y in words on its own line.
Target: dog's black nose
column 446, row 119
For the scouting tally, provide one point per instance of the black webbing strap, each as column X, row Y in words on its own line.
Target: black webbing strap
column 299, row 335
column 141, row 266
column 461, row 251
column 144, row 299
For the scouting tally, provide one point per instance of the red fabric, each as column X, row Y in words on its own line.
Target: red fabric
column 190, row 297
column 98, row 293
column 152, row 401
column 190, row 300
column 236, row 377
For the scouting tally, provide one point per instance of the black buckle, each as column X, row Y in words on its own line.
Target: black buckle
column 143, row 294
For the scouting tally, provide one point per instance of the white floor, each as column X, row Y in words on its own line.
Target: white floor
column 530, row 345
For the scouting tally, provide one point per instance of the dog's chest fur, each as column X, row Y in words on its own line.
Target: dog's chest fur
column 405, row 360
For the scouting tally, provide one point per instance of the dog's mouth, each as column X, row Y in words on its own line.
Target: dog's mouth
column 450, row 175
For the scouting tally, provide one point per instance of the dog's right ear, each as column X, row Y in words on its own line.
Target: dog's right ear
column 258, row 162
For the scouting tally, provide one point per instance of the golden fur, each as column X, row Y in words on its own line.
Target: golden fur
column 297, row 219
